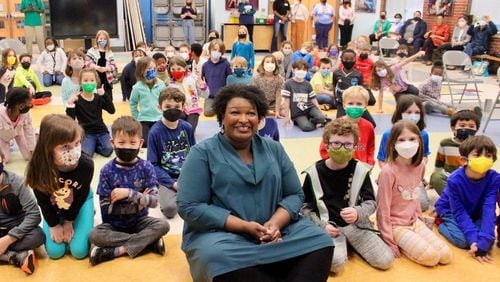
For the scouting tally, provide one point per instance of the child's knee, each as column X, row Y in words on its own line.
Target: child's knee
column 79, row 250
column 169, row 211
column 338, row 262
column 54, row 250
column 384, row 261
column 446, row 255
column 162, row 226
column 428, row 257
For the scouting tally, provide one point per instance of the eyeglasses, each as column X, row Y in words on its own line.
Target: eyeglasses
column 337, row 145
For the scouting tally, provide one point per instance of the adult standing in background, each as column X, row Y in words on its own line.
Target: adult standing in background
column 300, row 14
column 281, row 10
column 323, row 15
column 346, row 22
column 381, row 28
column 413, row 32
column 188, row 15
column 247, row 10
column 33, row 25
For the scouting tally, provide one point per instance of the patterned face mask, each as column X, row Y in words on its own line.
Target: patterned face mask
column 70, row 157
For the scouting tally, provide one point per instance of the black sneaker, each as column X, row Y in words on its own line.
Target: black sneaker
column 99, row 255
column 157, row 247
column 25, row 260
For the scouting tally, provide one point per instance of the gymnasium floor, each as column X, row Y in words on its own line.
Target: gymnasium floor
column 303, row 150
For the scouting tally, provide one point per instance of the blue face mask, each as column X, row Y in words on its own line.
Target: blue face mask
column 102, row 43
column 334, row 53
column 150, row 74
column 239, row 71
column 325, row 72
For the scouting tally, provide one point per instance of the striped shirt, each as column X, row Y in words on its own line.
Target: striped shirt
column 448, row 156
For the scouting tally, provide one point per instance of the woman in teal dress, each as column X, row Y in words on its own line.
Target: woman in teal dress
column 239, row 196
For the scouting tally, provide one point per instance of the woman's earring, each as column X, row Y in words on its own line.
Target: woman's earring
column 222, row 129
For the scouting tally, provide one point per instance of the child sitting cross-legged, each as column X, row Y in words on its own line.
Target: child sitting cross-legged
column 430, row 93
column 127, row 188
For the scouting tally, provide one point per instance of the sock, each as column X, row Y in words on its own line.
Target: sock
column 117, row 252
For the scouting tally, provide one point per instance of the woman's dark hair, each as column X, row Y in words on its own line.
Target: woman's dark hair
column 250, row 93
column 398, row 15
column 16, row 96
column 404, row 102
column 53, row 41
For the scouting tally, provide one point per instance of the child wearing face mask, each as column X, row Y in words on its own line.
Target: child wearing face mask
column 51, row 63
column 170, row 141
column 185, row 54
column 339, row 198
column 161, row 67
column 127, row 79
column 191, row 89
column 16, row 123
column 301, row 105
column 243, row 47
column 86, row 107
column 214, row 73
column 270, row 82
column 27, row 78
column 322, row 85
column 333, row 55
column 101, row 59
column 169, row 52
column 127, row 189
column 20, row 233
column 212, row 34
column 71, row 82
column 9, row 62
column 466, row 208
column 463, row 124
column 240, row 75
column 430, row 93
column 399, row 214
column 144, row 96
column 304, row 53
column 286, row 61
column 62, row 188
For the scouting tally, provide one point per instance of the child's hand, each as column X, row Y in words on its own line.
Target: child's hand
column 473, row 251
column 287, row 122
column 100, row 91
column 349, row 215
column 67, row 231
column 57, row 233
column 332, row 230
column 395, row 251
column 119, row 194
column 421, row 53
column 73, row 99
column 32, row 91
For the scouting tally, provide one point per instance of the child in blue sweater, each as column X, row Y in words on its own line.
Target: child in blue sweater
column 214, row 72
column 240, row 75
column 170, row 141
column 127, row 188
column 243, row 47
column 467, row 205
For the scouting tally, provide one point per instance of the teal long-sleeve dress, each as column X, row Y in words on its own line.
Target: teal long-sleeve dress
column 215, row 183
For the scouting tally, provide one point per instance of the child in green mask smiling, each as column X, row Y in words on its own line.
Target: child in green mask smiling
column 339, row 197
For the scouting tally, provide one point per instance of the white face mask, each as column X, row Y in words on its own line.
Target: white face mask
column 136, row 59
column 170, row 54
column 437, row 79
column 77, row 65
column 411, row 117
column 382, row 73
column 287, row 51
column 301, row 74
column 269, row 67
column 51, row 47
column 407, row 149
column 461, row 23
column 184, row 55
column 70, row 157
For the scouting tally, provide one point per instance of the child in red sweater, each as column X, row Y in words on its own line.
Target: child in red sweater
column 364, row 64
column 355, row 99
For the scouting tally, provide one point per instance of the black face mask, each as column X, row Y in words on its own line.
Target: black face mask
column 26, row 65
column 416, row 19
column 24, row 110
column 242, row 35
column 363, row 56
column 464, row 133
column 401, row 54
column 211, row 38
column 348, row 64
column 172, row 114
column 126, row 155
column 382, row 17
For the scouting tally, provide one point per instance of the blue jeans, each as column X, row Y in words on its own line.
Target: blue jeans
column 326, row 99
column 83, row 224
column 472, row 49
column 450, row 229
column 50, row 79
column 97, row 143
column 322, row 31
column 277, row 29
column 188, row 28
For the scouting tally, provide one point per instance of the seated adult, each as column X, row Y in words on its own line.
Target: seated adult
column 381, row 28
column 480, row 33
column 240, row 196
column 459, row 40
column 437, row 36
column 413, row 31
column 396, row 26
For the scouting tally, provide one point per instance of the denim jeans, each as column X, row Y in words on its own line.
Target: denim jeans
column 97, row 143
column 450, row 230
column 326, row 99
column 322, row 31
column 188, row 28
column 51, row 79
column 278, row 27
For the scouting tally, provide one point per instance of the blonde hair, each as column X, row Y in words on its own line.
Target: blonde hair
column 308, row 45
column 244, row 28
column 238, row 60
column 193, row 4
column 355, row 92
column 105, row 33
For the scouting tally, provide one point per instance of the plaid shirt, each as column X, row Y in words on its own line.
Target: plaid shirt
column 430, row 91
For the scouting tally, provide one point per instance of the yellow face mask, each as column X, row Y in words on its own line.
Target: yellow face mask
column 480, row 164
column 11, row 60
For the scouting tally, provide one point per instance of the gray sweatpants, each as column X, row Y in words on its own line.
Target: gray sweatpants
column 168, row 205
column 32, row 240
column 135, row 240
column 366, row 243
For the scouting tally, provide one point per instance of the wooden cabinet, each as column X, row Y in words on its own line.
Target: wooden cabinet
column 262, row 36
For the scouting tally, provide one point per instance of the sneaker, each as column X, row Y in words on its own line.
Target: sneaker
column 25, row 260
column 157, row 247
column 99, row 255
column 477, row 110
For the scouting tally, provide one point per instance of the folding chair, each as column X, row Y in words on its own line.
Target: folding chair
column 387, row 43
column 459, row 78
column 15, row 44
column 496, row 104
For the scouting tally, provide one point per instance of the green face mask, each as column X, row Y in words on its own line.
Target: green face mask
column 340, row 155
column 354, row 111
column 88, row 87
